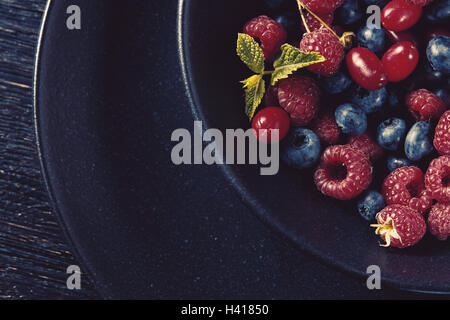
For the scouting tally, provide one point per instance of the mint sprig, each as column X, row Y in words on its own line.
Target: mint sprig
column 290, row 60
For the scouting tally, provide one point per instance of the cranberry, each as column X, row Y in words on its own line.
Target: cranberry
column 403, row 36
column 271, row 118
column 398, row 15
column 400, row 60
column 366, row 69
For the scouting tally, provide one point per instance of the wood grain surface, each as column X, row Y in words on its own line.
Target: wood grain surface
column 33, row 252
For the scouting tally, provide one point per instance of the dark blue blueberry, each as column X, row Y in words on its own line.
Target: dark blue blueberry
column 351, row 119
column 380, row 3
column 394, row 163
column 431, row 74
column 438, row 53
column 336, row 84
column 372, row 38
column 371, row 203
column 369, row 100
column 394, row 98
column 301, row 148
column 274, row 3
column 442, row 93
column 438, row 11
column 418, row 143
column 390, row 133
column 350, row 12
column 288, row 20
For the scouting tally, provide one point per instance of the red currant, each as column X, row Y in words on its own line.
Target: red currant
column 400, row 61
column 403, row 36
column 398, row 15
column 271, row 118
column 366, row 69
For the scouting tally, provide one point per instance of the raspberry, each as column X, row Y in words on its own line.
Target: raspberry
column 322, row 6
column 425, row 105
column 437, row 178
column 326, row 128
column 442, row 134
column 328, row 45
column 366, row 144
column 270, row 33
column 405, row 186
column 299, row 96
column 271, row 97
column 439, row 221
column 420, row 3
column 342, row 173
column 400, row 226
column 314, row 24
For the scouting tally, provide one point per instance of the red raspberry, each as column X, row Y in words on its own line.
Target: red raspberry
column 437, row 178
column 271, row 97
column 420, row 3
column 326, row 128
column 367, row 144
column 439, row 221
column 322, row 6
column 299, row 96
column 314, row 24
column 342, row 173
column 400, row 226
column 405, row 186
column 270, row 33
column 442, row 134
column 328, row 45
column 425, row 105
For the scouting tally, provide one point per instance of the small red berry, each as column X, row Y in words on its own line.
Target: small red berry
column 328, row 45
column 439, row 221
column 299, row 96
column 366, row 69
column 400, row 226
column 322, row 6
column 420, row 3
column 406, row 186
column 270, row 33
column 367, row 144
column 398, row 15
column 442, row 134
column 425, row 105
column 437, row 179
column 268, row 119
column 400, row 36
column 326, row 128
column 400, row 60
column 342, row 173
column 314, row 24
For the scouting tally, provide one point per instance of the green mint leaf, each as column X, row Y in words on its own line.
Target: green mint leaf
column 255, row 87
column 250, row 53
column 292, row 59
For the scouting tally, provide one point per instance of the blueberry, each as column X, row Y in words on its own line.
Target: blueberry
column 289, row 20
column 438, row 53
column 371, row 203
column 372, row 38
column 438, row 11
column 351, row 119
column 393, row 98
column 390, row 133
column 349, row 12
column 431, row 74
column 380, row 3
column 369, row 100
column 301, row 148
column 442, row 93
column 394, row 163
column 274, row 3
column 337, row 83
column 417, row 143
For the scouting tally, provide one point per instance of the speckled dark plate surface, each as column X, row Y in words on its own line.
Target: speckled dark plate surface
column 107, row 99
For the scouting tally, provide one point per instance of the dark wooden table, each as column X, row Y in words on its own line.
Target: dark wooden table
column 33, row 252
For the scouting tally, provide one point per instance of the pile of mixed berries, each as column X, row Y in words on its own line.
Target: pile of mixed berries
column 372, row 119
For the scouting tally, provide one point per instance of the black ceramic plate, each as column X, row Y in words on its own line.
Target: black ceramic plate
column 108, row 97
